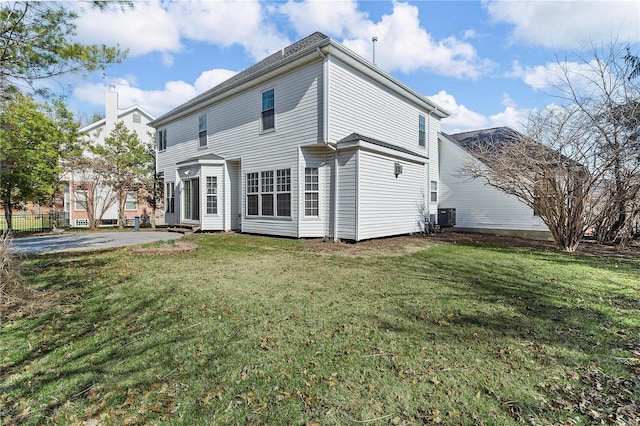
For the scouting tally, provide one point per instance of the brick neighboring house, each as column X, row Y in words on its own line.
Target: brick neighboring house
column 135, row 119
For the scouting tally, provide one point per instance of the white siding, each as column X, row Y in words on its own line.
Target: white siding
column 347, row 194
column 359, row 105
column 212, row 222
column 478, row 205
column 322, row 159
column 234, row 132
column 388, row 205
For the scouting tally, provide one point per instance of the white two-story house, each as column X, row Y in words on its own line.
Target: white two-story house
column 313, row 141
column 135, row 118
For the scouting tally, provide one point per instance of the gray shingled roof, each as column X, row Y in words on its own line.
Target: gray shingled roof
column 497, row 138
column 357, row 137
column 485, row 138
column 308, row 42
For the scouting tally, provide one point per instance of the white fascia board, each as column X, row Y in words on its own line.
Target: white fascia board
column 200, row 162
column 368, row 146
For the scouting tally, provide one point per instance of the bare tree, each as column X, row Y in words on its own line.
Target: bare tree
column 578, row 164
column 553, row 185
column 90, row 188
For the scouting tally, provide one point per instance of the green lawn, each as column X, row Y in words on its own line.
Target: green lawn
column 255, row 330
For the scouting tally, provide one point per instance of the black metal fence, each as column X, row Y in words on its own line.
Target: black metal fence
column 24, row 222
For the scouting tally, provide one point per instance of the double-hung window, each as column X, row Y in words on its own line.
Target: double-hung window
column 283, row 188
column 311, row 207
column 202, row 130
column 422, row 134
column 212, row 195
column 269, row 193
column 434, row 191
column 131, row 200
column 162, row 139
column 268, row 111
column 266, row 192
column 81, row 198
column 252, row 194
column 170, row 197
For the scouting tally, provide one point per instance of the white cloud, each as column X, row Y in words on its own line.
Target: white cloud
column 154, row 26
column 568, row 24
column 145, row 28
column 332, row 17
column 225, row 23
column 156, row 102
column 211, row 78
column 402, row 43
column 552, row 74
column 463, row 119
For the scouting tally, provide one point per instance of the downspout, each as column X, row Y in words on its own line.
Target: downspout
column 325, row 137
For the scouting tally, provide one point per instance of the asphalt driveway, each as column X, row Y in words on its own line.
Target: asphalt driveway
column 78, row 241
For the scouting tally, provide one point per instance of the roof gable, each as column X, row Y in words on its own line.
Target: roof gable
column 121, row 113
column 298, row 51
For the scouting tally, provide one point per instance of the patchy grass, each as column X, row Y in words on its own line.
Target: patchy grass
column 254, row 330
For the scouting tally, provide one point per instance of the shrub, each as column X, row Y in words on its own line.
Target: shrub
column 9, row 274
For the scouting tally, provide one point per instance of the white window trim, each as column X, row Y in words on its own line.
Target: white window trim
column 214, row 195
column 275, row 124
column 203, row 130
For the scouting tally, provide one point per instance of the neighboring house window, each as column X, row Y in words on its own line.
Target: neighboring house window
column 162, row 140
column 81, row 198
column 170, row 195
column 283, row 188
column 268, row 110
column 422, row 134
column 131, row 201
column 136, row 117
column 434, row 191
column 252, row 194
column 212, row 195
column 266, row 192
column 202, row 130
column 311, row 191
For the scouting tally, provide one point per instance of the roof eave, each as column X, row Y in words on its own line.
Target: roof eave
column 215, row 94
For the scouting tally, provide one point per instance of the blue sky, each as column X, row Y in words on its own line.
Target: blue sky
column 487, row 62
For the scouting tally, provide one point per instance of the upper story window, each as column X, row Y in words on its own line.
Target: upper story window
column 161, row 136
column 268, row 115
column 136, row 117
column 202, row 130
column 131, row 200
column 81, row 198
column 422, row 134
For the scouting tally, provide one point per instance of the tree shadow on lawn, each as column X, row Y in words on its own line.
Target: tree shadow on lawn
column 514, row 301
column 76, row 345
column 508, row 314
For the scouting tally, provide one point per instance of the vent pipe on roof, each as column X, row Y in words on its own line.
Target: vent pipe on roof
column 373, row 41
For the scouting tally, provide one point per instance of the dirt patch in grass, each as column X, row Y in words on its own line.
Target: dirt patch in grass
column 393, row 246
column 408, row 244
column 166, row 247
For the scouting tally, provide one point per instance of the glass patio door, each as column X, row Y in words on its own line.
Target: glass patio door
column 192, row 199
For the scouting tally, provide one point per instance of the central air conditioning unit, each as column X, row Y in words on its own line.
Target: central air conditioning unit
column 446, row 217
